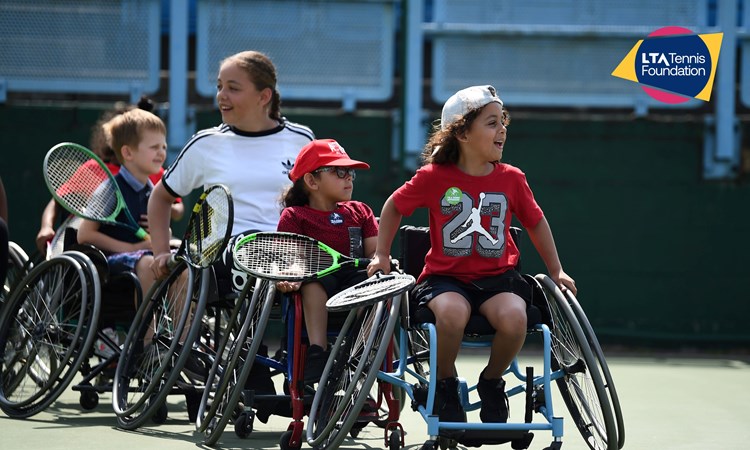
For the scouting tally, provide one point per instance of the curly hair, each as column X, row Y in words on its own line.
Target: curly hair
column 443, row 146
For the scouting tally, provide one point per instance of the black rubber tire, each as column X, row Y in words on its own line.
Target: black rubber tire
column 142, row 383
column 356, row 359
column 582, row 388
column 47, row 326
column 88, row 400
column 231, row 383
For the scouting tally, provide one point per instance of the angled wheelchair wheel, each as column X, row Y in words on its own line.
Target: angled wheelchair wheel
column 351, row 370
column 146, row 371
column 582, row 385
column 46, row 328
column 18, row 266
column 609, row 382
column 227, row 352
column 240, row 355
column 233, row 321
column 233, row 324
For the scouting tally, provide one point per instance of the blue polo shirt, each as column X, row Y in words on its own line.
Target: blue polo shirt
column 136, row 196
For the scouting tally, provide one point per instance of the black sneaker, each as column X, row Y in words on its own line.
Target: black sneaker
column 315, row 362
column 447, row 403
column 495, row 407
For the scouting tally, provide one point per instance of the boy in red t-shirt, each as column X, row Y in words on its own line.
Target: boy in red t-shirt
column 470, row 268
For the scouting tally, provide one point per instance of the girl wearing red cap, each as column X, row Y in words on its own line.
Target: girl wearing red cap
column 471, row 197
column 319, row 204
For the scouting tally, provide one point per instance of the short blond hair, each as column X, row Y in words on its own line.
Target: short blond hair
column 127, row 129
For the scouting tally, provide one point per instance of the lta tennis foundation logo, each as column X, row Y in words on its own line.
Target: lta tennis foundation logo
column 673, row 64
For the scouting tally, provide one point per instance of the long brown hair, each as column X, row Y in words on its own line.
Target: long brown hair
column 262, row 73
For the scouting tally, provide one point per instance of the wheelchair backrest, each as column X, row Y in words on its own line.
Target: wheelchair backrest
column 415, row 243
column 66, row 235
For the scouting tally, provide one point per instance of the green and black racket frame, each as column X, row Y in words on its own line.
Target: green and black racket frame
column 279, row 256
column 84, row 186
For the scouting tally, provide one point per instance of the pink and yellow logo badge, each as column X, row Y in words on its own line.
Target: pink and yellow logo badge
column 673, row 64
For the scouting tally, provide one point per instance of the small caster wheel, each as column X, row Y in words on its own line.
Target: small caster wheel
column 160, row 415
column 286, row 438
column 394, row 440
column 430, row 445
column 356, row 428
column 89, row 400
column 243, row 425
column 447, row 443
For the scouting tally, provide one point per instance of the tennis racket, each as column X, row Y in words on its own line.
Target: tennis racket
column 278, row 256
column 369, row 291
column 83, row 185
column 209, row 228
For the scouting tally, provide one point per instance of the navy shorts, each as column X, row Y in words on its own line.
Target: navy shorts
column 125, row 262
column 476, row 292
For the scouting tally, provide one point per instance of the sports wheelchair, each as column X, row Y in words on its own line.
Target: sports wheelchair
column 237, row 390
column 49, row 324
column 170, row 343
column 571, row 357
column 182, row 317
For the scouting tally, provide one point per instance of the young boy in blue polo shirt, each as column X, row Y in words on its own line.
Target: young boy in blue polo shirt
column 139, row 140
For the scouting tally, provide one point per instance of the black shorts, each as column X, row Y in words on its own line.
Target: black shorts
column 341, row 279
column 476, row 292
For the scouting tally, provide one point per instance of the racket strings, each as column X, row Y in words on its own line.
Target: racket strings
column 276, row 256
column 370, row 290
column 81, row 182
column 208, row 228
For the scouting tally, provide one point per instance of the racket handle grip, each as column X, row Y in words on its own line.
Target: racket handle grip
column 363, row 262
column 172, row 262
column 141, row 234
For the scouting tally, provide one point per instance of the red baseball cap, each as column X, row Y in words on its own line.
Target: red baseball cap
column 320, row 153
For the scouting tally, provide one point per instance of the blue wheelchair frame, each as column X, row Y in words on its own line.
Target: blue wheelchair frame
column 398, row 379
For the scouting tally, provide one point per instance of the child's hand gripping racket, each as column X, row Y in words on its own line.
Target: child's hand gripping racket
column 278, row 256
column 83, row 185
column 208, row 230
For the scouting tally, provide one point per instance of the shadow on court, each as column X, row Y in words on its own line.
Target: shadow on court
column 669, row 401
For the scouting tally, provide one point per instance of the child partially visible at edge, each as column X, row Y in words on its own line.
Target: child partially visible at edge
column 319, row 205
column 139, row 140
column 471, row 197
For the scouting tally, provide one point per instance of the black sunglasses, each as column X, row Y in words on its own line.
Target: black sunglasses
column 341, row 172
